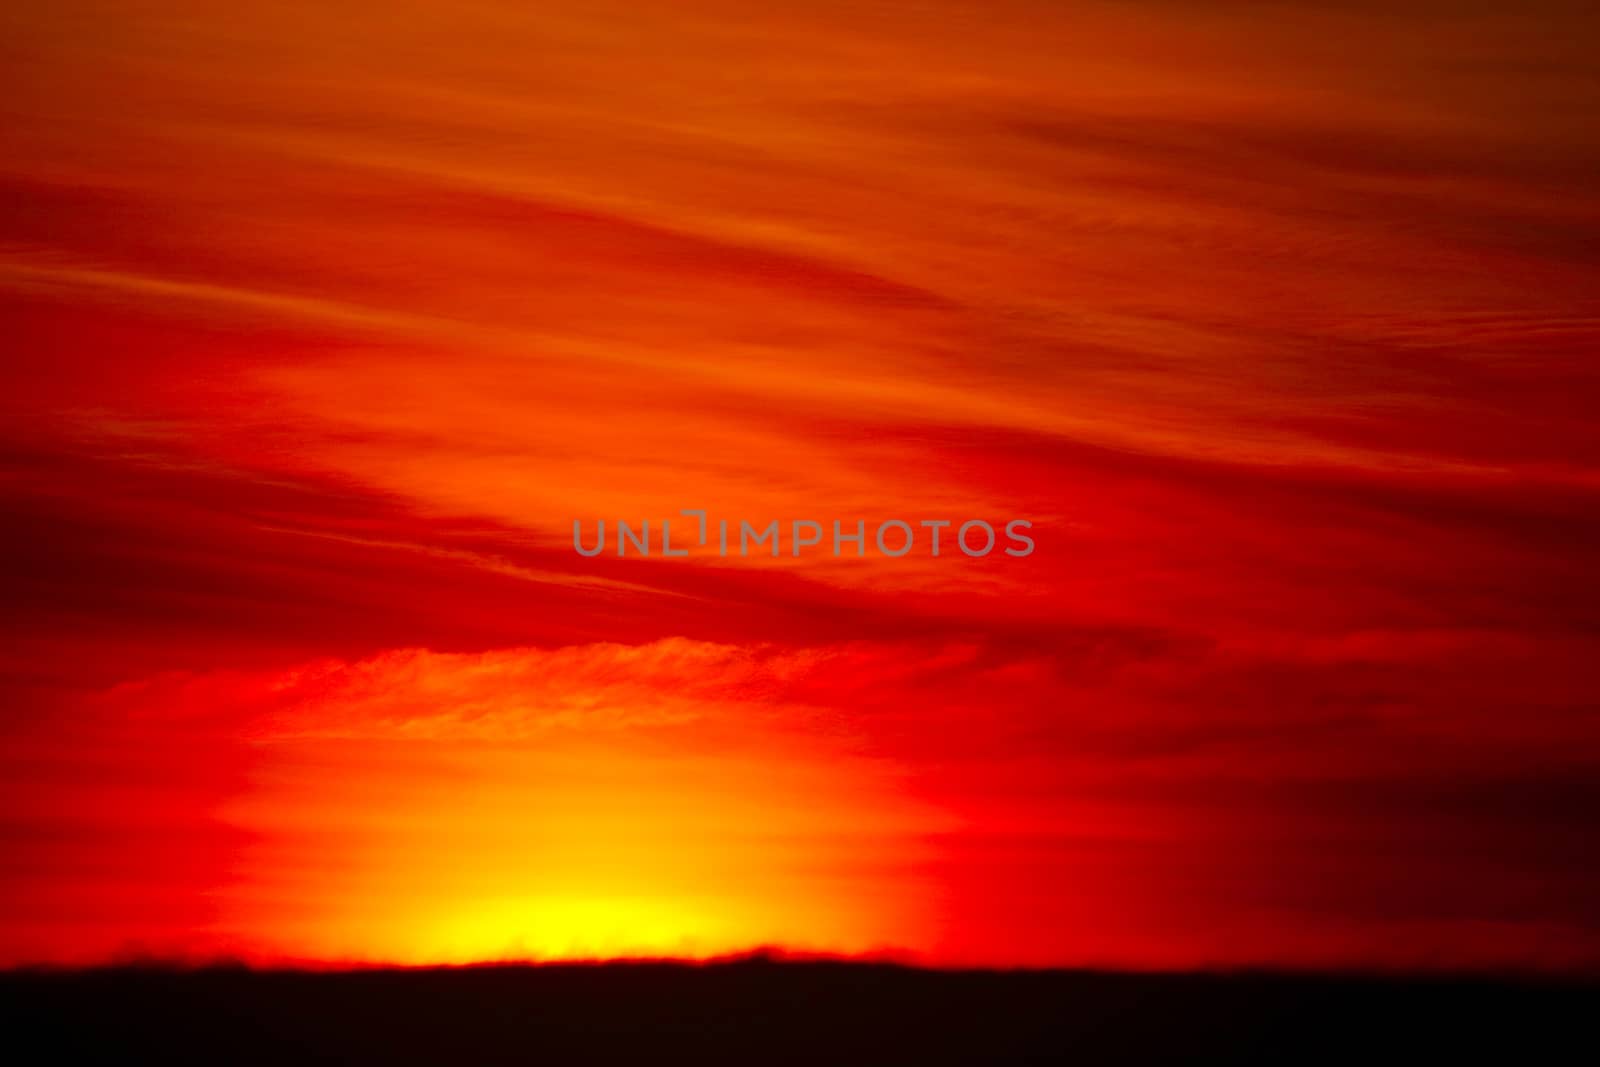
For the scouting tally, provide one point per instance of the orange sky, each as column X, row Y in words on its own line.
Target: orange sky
column 323, row 322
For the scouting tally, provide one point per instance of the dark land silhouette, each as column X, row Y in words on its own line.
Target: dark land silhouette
column 762, row 1010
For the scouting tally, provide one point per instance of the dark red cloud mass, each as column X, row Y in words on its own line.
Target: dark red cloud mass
column 324, row 322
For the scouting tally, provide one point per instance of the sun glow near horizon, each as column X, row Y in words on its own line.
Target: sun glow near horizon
column 574, row 804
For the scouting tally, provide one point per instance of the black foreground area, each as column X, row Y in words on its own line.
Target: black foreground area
column 762, row 1012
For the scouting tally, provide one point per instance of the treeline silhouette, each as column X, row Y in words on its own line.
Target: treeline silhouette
column 761, row 1010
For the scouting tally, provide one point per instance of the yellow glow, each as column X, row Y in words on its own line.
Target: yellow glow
column 543, row 928
column 595, row 802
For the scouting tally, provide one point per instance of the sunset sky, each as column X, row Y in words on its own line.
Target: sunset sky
column 322, row 323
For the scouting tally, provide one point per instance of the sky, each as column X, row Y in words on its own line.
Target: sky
column 325, row 321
